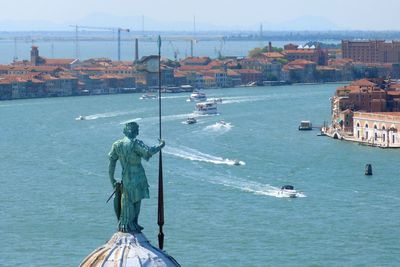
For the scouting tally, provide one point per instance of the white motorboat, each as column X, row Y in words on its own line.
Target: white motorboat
column 197, row 96
column 206, row 108
column 148, row 96
column 288, row 191
column 191, row 120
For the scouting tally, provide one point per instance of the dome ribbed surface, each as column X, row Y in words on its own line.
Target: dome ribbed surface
column 128, row 250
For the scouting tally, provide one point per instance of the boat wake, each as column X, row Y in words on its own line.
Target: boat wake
column 109, row 115
column 195, row 155
column 244, row 99
column 252, row 187
column 219, row 127
column 173, row 97
column 125, row 122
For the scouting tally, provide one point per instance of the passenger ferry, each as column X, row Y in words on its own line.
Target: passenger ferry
column 206, row 108
column 305, row 125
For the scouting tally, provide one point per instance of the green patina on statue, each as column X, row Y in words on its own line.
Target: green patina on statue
column 133, row 186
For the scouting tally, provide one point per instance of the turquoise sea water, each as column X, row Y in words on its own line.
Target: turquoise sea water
column 54, row 182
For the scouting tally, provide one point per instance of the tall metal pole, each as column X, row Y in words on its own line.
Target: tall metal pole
column 76, row 42
column 160, row 220
column 119, row 44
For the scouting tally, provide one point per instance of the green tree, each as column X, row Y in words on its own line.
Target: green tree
column 255, row 52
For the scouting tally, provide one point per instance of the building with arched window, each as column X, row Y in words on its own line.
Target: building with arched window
column 377, row 129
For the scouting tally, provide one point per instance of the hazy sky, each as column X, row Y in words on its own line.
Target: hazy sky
column 221, row 14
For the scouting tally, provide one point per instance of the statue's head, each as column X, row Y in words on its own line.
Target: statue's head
column 131, row 130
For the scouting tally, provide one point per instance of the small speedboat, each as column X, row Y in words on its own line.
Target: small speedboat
column 288, row 191
column 191, row 120
column 80, row 118
column 236, row 162
column 197, row 96
column 149, row 96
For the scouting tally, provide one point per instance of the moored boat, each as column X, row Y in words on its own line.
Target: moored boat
column 305, row 125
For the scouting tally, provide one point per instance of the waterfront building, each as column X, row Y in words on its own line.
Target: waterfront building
column 270, row 69
column 300, row 70
column 360, row 95
column 220, row 77
column 372, row 51
column 209, row 82
column 234, row 78
column 367, row 112
column 195, row 79
column 377, row 129
column 179, row 77
column 250, row 76
column 327, row 74
column 344, row 67
column 294, row 52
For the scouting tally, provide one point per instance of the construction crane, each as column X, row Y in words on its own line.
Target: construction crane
column 119, row 30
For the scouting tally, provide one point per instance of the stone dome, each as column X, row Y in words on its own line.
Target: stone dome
column 128, row 250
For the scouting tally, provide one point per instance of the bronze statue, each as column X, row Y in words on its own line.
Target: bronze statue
column 133, row 186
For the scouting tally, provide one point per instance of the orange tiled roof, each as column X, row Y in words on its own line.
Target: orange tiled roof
column 363, row 82
column 196, row 60
column 273, row 55
column 59, row 61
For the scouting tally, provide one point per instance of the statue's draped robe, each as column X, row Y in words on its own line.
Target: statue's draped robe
column 135, row 186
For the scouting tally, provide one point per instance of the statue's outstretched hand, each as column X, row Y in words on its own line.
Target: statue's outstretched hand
column 162, row 143
column 114, row 183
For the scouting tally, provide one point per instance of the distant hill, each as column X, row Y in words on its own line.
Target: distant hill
column 308, row 23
